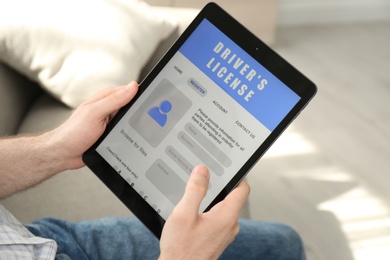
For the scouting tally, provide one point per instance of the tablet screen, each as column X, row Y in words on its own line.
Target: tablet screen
column 211, row 104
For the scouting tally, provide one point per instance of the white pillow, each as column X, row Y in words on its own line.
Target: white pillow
column 73, row 48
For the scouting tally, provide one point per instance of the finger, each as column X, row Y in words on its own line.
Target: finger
column 107, row 92
column 102, row 94
column 236, row 199
column 195, row 191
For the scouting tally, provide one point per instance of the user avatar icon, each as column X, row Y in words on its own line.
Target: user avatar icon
column 159, row 114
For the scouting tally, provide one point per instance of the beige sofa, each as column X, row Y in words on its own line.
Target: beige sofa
column 26, row 108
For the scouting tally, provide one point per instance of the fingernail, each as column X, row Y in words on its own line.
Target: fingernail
column 202, row 170
column 130, row 86
column 131, row 83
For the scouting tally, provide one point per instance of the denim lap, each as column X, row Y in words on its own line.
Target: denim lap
column 127, row 238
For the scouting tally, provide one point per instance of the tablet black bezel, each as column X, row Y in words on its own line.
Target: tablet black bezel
column 260, row 52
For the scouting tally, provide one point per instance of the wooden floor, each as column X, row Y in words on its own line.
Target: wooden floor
column 328, row 176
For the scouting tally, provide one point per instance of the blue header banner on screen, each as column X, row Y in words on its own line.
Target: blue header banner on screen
column 238, row 74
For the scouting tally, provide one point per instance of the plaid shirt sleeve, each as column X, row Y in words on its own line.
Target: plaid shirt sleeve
column 16, row 242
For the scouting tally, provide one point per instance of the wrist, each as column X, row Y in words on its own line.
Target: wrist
column 26, row 161
column 51, row 152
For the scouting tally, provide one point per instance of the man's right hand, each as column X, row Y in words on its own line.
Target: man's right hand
column 188, row 234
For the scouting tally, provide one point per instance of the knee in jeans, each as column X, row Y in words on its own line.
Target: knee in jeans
column 290, row 242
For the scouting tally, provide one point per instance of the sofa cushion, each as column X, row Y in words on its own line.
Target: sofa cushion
column 74, row 48
column 45, row 113
column 16, row 95
column 184, row 17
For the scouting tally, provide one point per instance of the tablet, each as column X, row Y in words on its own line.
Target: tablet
column 219, row 97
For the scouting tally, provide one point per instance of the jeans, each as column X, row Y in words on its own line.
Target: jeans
column 127, row 238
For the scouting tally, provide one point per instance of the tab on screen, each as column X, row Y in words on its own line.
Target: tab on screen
column 197, row 87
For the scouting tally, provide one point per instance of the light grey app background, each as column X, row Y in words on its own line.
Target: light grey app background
column 160, row 112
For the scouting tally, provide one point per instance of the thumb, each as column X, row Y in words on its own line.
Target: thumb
column 109, row 100
column 120, row 97
column 195, row 191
